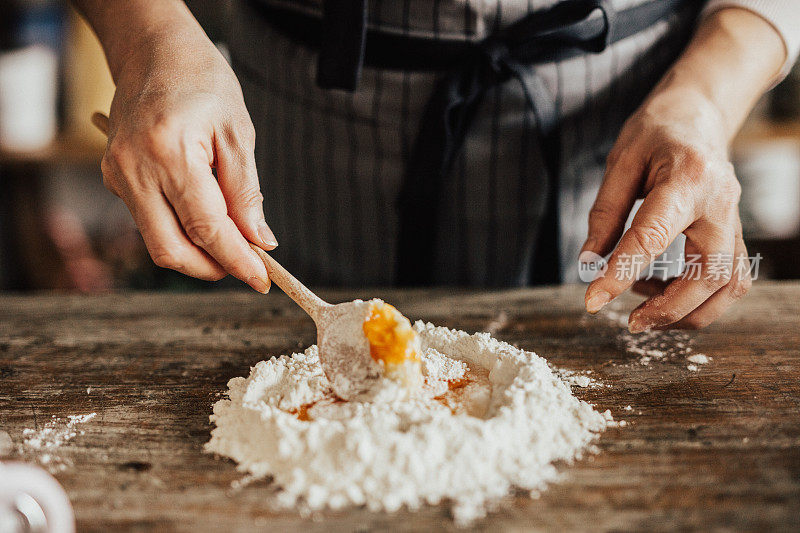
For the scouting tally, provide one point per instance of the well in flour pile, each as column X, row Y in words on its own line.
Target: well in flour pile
column 501, row 428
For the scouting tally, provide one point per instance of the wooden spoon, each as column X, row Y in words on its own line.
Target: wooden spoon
column 343, row 349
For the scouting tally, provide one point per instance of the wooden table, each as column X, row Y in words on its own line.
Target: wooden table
column 714, row 449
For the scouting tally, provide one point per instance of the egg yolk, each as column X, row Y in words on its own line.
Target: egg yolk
column 392, row 341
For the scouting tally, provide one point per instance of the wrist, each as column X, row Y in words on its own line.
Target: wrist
column 159, row 47
column 732, row 60
column 684, row 104
column 149, row 29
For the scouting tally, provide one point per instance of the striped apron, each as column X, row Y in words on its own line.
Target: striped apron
column 333, row 163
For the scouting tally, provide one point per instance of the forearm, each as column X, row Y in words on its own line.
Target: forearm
column 733, row 59
column 127, row 27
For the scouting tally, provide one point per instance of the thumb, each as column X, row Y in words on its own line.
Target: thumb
column 238, row 180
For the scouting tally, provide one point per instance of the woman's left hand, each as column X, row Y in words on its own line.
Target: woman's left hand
column 673, row 153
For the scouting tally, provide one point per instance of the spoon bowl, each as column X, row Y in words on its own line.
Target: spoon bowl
column 344, row 351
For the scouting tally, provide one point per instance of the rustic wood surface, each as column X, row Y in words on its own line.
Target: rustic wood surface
column 714, row 449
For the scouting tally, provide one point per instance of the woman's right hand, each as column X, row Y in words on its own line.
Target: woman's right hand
column 178, row 112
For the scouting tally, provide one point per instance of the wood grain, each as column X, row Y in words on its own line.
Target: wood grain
column 714, row 449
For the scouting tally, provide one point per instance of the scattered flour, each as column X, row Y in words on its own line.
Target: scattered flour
column 55, row 432
column 45, row 441
column 492, row 418
column 699, row 359
column 576, row 378
column 656, row 345
column 611, row 423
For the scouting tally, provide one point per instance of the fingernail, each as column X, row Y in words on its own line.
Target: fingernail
column 597, row 301
column 267, row 237
column 258, row 284
column 636, row 327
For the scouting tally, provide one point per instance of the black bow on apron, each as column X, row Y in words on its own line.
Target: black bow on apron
column 569, row 28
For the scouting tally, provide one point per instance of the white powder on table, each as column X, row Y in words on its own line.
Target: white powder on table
column 699, row 358
column 45, row 442
column 502, row 428
column 657, row 345
column 55, row 432
column 578, row 378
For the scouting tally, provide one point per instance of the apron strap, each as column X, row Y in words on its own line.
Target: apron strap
column 343, row 41
column 568, row 28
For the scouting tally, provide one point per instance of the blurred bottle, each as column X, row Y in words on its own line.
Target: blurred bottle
column 767, row 160
column 30, row 44
column 769, row 171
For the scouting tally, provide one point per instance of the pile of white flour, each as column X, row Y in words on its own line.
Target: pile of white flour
column 501, row 429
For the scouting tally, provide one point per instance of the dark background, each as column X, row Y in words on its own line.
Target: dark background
column 60, row 229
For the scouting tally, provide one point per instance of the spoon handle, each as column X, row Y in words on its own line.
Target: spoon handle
column 302, row 295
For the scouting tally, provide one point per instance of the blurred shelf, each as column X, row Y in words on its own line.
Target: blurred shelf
column 764, row 130
column 66, row 149
column 71, row 149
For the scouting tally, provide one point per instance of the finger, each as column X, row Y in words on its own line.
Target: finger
column 720, row 301
column 691, row 289
column 201, row 208
column 614, row 201
column 166, row 243
column 238, row 180
column 664, row 213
